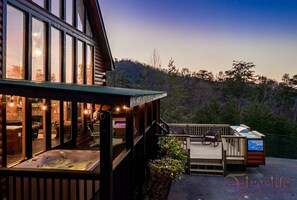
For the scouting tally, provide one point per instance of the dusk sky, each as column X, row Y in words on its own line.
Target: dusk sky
column 205, row 34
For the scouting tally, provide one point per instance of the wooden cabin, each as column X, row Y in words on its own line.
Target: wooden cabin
column 53, row 61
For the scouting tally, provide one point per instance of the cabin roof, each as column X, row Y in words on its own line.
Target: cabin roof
column 112, row 96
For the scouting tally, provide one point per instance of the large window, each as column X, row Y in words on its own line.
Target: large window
column 80, row 63
column 15, row 44
column 80, row 15
column 55, row 55
column 38, row 50
column 69, row 59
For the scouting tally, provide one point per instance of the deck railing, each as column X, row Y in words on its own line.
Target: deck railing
column 48, row 184
column 199, row 129
column 234, row 149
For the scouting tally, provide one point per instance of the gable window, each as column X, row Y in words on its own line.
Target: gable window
column 55, row 55
column 38, row 50
column 80, row 63
column 56, row 7
column 88, row 28
column 89, row 65
column 69, row 12
column 41, row 3
column 69, row 59
column 80, row 15
column 15, row 43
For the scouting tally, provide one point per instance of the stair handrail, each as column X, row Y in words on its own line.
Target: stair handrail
column 162, row 128
column 165, row 124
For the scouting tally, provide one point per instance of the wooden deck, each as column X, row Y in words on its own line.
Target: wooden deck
column 200, row 151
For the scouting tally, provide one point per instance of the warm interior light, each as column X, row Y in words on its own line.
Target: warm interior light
column 44, row 107
column 11, row 104
column 118, row 109
column 37, row 52
column 124, row 107
column 86, row 112
column 35, row 34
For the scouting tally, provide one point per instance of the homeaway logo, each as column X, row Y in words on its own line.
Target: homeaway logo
column 243, row 183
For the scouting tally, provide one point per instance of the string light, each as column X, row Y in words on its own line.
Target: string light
column 118, row 109
column 86, row 112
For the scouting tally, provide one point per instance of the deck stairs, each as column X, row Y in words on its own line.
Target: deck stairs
column 204, row 166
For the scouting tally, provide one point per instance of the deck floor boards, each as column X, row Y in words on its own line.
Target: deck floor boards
column 200, row 151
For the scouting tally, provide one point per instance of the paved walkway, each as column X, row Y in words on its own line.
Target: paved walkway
column 276, row 180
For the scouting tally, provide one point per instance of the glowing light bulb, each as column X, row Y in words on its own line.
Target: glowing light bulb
column 44, row 107
column 118, row 109
column 11, row 104
column 124, row 107
column 86, row 112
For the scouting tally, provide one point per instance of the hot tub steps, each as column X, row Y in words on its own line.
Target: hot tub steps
column 206, row 166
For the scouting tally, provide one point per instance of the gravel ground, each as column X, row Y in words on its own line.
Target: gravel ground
column 276, row 180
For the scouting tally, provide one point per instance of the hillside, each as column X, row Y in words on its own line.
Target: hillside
column 235, row 96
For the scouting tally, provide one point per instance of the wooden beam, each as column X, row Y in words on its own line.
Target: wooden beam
column 106, row 170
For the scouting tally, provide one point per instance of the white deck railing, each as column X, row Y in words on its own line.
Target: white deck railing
column 199, row 129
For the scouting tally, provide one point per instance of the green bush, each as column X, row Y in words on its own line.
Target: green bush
column 170, row 147
column 166, row 169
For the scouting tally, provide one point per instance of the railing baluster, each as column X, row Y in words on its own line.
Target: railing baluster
column 61, row 188
column 45, row 188
column 53, row 188
column 69, row 189
column 85, row 189
column 14, row 187
column 22, row 187
column 38, row 188
column 77, row 188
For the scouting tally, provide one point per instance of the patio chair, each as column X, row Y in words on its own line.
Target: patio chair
column 211, row 136
column 95, row 134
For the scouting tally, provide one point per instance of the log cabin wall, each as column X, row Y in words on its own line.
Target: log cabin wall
column 99, row 69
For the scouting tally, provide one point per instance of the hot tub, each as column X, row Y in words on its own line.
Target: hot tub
column 64, row 159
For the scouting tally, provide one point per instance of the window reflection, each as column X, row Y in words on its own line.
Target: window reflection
column 14, row 128
column 39, row 107
column 55, row 128
column 55, row 55
column 80, row 64
column 40, row 2
column 80, row 15
column 69, row 12
column 15, row 44
column 56, row 7
column 67, row 121
column 89, row 65
column 69, row 59
column 38, row 46
column 88, row 29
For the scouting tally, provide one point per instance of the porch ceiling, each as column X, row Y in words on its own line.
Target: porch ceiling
column 79, row 93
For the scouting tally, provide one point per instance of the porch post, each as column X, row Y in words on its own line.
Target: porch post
column 130, row 145
column 106, row 171
column 142, row 132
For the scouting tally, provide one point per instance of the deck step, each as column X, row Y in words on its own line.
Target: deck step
column 208, row 170
column 206, row 163
column 206, row 166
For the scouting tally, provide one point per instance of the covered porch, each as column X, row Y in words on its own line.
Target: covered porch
column 117, row 175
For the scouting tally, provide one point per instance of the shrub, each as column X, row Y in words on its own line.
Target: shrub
column 171, row 147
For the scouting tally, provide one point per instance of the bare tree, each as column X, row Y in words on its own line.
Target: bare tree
column 155, row 60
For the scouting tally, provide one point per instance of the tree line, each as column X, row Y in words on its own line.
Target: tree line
column 233, row 97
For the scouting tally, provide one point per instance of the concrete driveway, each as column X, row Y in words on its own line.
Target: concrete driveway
column 276, row 180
